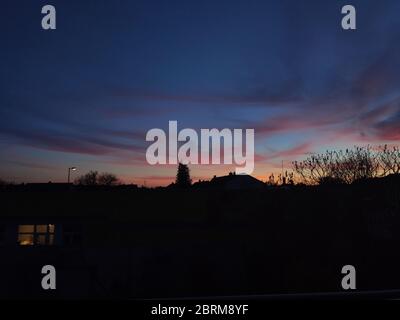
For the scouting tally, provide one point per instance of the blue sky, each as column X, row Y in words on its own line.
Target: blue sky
column 86, row 93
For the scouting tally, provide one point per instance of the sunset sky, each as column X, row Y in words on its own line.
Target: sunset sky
column 86, row 94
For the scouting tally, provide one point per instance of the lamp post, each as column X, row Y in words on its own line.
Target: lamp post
column 69, row 172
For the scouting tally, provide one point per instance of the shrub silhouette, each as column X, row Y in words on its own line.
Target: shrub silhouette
column 107, row 179
column 336, row 167
column 271, row 180
column 88, row 179
column 389, row 159
column 93, row 178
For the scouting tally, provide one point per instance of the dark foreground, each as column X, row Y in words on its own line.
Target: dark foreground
column 123, row 243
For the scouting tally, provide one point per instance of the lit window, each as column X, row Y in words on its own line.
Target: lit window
column 41, row 228
column 39, row 234
column 26, row 228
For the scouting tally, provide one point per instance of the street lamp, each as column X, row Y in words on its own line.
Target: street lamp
column 69, row 172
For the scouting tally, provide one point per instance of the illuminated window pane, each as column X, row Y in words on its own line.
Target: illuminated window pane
column 40, row 234
column 41, row 239
column 26, row 228
column 25, row 239
column 51, row 240
column 41, row 228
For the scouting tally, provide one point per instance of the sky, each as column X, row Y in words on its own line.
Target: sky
column 86, row 93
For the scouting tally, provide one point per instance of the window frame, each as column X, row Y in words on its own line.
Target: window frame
column 49, row 234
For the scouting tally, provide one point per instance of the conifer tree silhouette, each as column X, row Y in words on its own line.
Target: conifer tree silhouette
column 183, row 176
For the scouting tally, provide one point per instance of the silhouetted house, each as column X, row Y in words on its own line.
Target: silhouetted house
column 49, row 186
column 232, row 182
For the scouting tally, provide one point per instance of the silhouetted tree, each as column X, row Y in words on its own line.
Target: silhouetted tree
column 389, row 160
column 183, row 176
column 93, row 178
column 315, row 168
column 290, row 178
column 271, row 180
column 88, row 179
column 356, row 164
column 107, row 179
column 339, row 166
